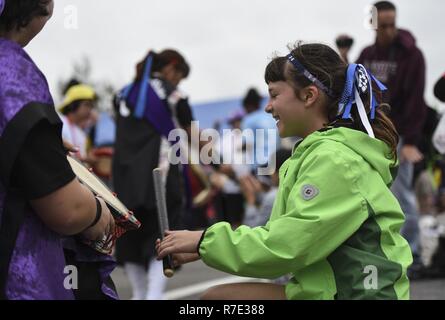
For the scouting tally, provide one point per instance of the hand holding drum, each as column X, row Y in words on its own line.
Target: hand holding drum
column 124, row 220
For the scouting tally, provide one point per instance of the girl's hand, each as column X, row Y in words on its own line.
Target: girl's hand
column 180, row 258
column 179, row 242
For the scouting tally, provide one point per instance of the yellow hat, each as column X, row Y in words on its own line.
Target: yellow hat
column 76, row 93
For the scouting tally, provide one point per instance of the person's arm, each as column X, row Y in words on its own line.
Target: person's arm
column 414, row 109
column 307, row 232
column 43, row 174
column 71, row 209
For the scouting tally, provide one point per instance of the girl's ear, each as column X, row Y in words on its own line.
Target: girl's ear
column 310, row 95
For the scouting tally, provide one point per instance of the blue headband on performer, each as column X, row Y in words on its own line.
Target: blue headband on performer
column 300, row 68
column 359, row 82
column 142, row 96
column 2, row 5
column 142, row 99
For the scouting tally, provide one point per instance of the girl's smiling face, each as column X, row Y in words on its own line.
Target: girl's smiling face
column 287, row 109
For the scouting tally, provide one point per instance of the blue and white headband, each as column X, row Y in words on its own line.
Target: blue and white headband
column 359, row 82
column 2, row 5
column 300, row 68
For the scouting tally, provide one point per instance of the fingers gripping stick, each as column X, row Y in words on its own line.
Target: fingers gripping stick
column 162, row 216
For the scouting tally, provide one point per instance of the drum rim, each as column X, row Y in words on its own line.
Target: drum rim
column 131, row 217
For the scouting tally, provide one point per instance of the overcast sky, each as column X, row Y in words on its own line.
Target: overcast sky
column 227, row 42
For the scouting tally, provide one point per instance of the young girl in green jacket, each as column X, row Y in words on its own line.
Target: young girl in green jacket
column 335, row 225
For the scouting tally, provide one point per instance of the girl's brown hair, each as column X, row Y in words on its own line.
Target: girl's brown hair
column 327, row 66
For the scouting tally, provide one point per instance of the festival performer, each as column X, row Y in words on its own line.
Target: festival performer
column 335, row 225
column 147, row 110
column 76, row 110
column 44, row 210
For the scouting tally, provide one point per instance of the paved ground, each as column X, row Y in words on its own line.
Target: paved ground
column 428, row 290
column 194, row 278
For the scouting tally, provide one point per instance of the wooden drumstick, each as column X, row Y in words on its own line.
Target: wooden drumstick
column 162, row 217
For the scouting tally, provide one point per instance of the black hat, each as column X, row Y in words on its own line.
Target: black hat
column 344, row 41
column 252, row 98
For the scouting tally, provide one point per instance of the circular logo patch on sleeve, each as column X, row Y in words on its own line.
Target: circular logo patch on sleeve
column 309, row 192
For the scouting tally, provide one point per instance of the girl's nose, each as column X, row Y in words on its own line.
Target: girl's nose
column 268, row 108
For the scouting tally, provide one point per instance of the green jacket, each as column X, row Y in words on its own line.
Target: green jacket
column 335, row 225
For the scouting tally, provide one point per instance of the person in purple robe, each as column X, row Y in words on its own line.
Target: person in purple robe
column 44, row 210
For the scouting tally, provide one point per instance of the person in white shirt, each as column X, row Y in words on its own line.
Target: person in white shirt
column 75, row 112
